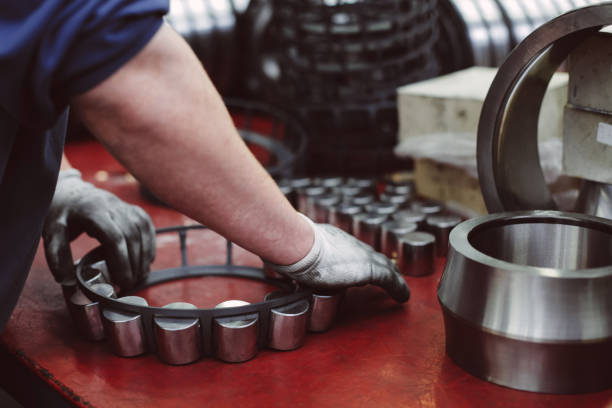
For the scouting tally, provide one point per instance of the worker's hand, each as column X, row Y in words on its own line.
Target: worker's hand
column 125, row 231
column 337, row 260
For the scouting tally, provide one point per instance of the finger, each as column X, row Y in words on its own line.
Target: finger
column 387, row 276
column 57, row 251
column 102, row 228
column 147, row 242
column 127, row 220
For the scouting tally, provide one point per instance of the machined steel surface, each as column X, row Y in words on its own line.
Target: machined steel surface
column 417, row 253
column 125, row 330
column 323, row 311
column 367, row 228
column 178, row 338
column 427, row 207
column 398, row 199
column 235, row 337
column 341, row 216
column 595, row 198
column 527, row 300
column 509, row 168
column 440, row 225
column 416, row 217
column 287, row 324
column 382, row 208
column 86, row 313
column 322, row 205
column 391, row 231
column 363, row 199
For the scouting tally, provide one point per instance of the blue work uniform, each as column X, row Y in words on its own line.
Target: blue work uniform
column 50, row 51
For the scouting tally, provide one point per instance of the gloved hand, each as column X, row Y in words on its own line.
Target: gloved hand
column 125, row 231
column 337, row 260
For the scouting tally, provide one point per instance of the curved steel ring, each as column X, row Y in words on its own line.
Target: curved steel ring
column 509, row 168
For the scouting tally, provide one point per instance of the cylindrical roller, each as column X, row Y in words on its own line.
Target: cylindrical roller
column 331, row 181
column 323, row 311
column 400, row 200
column 300, row 182
column 441, row 226
column 417, row 252
column 235, row 338
column 381, row 208
column 390, row 233
column 364, row 183
column 341, row 216
column 427, row 207
column 69, row 288
column 363, row 199
column 306, row 198
column 125, row 330
column 287, row 323
column 322, row 204
column 178, row 338
column 348, row 191
column 406, row 189
column 86, row 314
column 416, row 217
column 368, row 229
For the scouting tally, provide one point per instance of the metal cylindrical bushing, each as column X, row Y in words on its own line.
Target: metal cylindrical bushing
column 235, row 338
column 348, row 191
column 125, row 330
column 306, row 198
column 86, row 313
column 363, row 199
column 323, row 311
column 369, row 229
column 406, row 188
column 322, row 204
column 300, row 182
column 381, row 208
column 417, row 252
column 341, row 216
column 329, row 182
column 178, row 338
column 287, row 323
column 441, row 226
column 390, row 233
column 427, row 207
column 364, row 183
column 415, row 217
column 400, row 200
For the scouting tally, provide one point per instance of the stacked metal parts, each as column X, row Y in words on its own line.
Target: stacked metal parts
column 392, row 220
column 483, row 32
column 337, row 64
column 180, row 333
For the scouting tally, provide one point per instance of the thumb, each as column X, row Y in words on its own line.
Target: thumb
column 386, row 275
column 57, row 251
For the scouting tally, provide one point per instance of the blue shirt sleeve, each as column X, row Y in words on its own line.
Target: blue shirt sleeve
column 54, row 49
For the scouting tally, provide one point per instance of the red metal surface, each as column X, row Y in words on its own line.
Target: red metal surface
column 378, row 353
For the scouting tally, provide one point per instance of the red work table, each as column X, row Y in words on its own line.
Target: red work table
column 378, row 352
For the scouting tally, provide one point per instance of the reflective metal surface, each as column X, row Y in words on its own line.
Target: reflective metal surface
column 125, row 330
column 178, row 338
column 367, row 228
column 508, row 163
column 381, row 208
column 235, row 338
column 322, row 206
column 391, row 231
column 417, row 253
column 427, row 206
column 416, row 217
column 527, row 300
column 595, row 198
column 86, row 314
column 440, row 226
column 341, row 216
column 287, row 324
column 323, row 311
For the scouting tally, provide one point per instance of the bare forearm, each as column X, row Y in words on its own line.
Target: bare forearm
column 162, row 118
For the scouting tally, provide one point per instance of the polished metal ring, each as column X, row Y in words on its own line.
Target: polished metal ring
column 527, row 300
column 509, row 168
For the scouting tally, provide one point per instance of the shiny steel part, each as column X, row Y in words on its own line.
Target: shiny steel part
column 322, row 205
column 427, row 207
column 235, row 338
column 364, row 183
column 287, row 324
column 348, row 191
column 508, row 163
column 306, row 198
column 300, row 182
column 381, row 208
column 440, row 226
column 368, row 228
column 341, row 216
column 398, row 199
column 595, row 198
column 400, row 189
column 323, row 311
column 178, row 338
column 416, row 217
column 391, row 231
column 417, row 252
column 331, row 181
column 86, row 314
column 363, row 199
column 125, row 330
column 527, row 300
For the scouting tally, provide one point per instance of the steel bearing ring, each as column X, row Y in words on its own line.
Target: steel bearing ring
column 509, row 168
column 526, row 300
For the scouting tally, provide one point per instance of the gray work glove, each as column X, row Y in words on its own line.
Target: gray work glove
column 337, row 260
column 125, row 231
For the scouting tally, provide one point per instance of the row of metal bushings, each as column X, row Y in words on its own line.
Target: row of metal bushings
column 394, row 222
column 179, row 340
